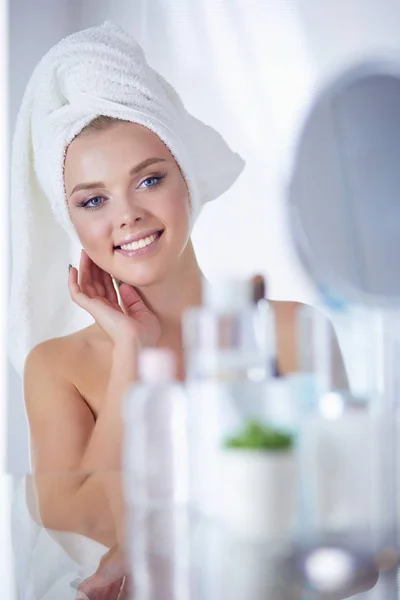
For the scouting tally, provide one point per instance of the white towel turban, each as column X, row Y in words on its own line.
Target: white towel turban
column 98, row 71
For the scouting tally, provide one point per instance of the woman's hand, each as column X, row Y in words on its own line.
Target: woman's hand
column 95, row 293
column 111, row 581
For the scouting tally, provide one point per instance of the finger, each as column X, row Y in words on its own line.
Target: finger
column 121, row 592
column 93, row 306
column 73, row 284
column 126, row 592
column 110, row 291
column 110, row 591
column 131, row 299
column 97, row 279
column 98, row 588
column 75, row 291
column 85, row 276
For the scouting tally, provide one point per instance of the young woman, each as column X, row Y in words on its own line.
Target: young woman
column 131, row 205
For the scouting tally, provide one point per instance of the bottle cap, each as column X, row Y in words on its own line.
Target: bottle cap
column 156, row 365
column 227, row 294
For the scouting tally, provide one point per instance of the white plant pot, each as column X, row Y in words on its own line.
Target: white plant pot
column 257, row 493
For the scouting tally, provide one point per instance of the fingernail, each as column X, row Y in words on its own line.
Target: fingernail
column 81, row 596
column 69, row 268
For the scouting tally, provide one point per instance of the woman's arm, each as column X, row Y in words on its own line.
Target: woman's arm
column 104, row 450
column 76, row 458
column 65, row 437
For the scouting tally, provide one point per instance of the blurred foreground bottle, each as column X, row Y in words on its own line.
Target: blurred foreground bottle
column 156, row 479
column 346, row 452
column 242, row 469
column 225, row 344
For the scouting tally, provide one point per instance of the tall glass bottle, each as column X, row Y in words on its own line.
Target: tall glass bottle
column 228, row 353
column 346, row 453
column 225, row 343
column 156, row 479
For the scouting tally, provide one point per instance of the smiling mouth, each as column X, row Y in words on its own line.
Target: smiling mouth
column 142, row 243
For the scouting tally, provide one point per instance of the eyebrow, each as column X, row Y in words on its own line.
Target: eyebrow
column 134, row 171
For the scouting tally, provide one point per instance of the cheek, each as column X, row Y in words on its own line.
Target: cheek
column 91, row 231
column 177, row 210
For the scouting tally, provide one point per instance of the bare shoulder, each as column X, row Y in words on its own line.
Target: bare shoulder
column 80, row 360
column 56, row 356
column 59, row 416
column 64, row 386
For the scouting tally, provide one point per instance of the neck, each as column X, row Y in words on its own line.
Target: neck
column 180, row 290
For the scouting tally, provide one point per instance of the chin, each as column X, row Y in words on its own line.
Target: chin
column 153, row 270
column 144, row 278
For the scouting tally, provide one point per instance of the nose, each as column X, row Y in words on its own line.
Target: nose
column 128, row 213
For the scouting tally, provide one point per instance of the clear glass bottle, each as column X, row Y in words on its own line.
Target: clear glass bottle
column 228, row 354
column 346, row 452
column 225, row 344
column 229, row 335
column 156, row 479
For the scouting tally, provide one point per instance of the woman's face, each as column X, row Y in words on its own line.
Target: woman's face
column 128, row 202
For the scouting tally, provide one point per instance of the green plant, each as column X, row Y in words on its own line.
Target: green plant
column 256, row 435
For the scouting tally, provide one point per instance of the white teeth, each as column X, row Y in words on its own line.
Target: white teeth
column 140, row 243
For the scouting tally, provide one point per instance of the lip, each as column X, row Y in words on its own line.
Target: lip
column 142, row 251
column 137, row 237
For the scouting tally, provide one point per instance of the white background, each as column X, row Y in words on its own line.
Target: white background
column 247, row 67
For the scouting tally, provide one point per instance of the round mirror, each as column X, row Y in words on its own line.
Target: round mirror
column 344, row 193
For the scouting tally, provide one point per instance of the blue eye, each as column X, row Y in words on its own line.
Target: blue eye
column 152, row 181
column 94, row 202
